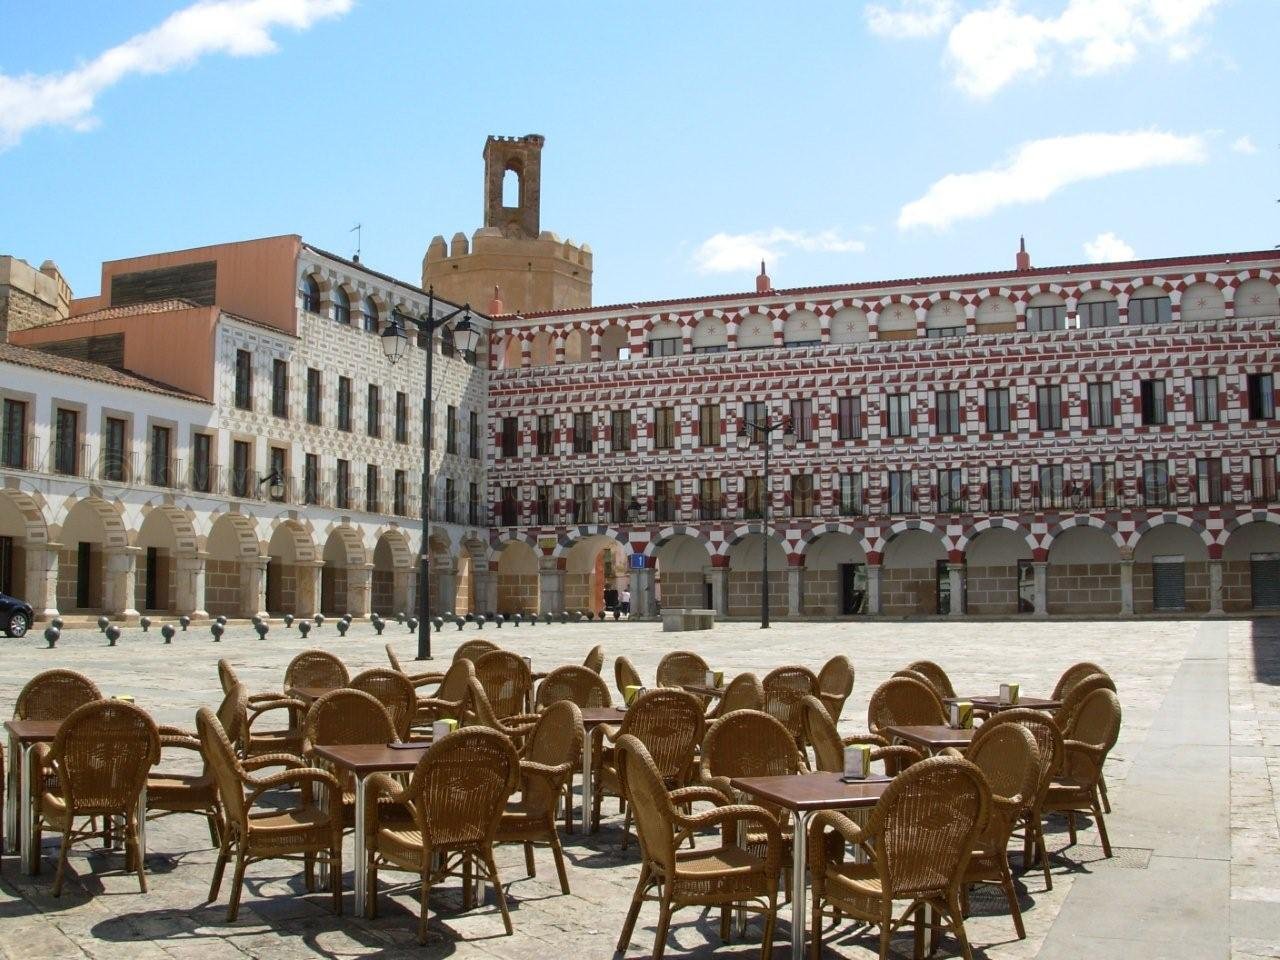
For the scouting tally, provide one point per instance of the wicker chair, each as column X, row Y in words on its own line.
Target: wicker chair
column 229, row 680
column 904, row 701
column 54, row 695
column 1073, row 675
column 457, row 793
column 828, row 746
column 426, row 678
column 1008, row 757
column 345, row 717
column 835, row 683
column 743, row 692
column 722, row 876
column 625, row 675
column 936, row 676
column 102, row 753
column 1094, row 731
column 550, row 755
column 450, row 700
column 1066, row 714
column 479, row 712
column 506, row 681
column 917, row 839
column 595, row 659
column 577, row 684
column 310, row 668
column 784, row 688
column 305, row 829
column 394, row 691
column 670, row 724
column 473, row 650
column 681, row 668
column 316, row 668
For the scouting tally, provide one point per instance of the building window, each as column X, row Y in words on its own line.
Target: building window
column 510, row 436
column 948, row 403
column 941, row 333
column 311, row 478
column 113, row 453
column 1262, row 396
column 473, row 434
column 709, row 498
column 1262, row 478
column 1209, row 480
column 755, row 415
column 582, row 433
column 1000, row 489
column 1053, row 491
column 620, row 502
column 399, row 491
column 950, row 491
column 373, row 411
column 753, row 498
column 201, row 462
column 473, row 503
column 581, row 502
column 161, row 449
column 342, row 485
column 371, row 487
column 902, row 498
column 402, row 417
column 709, row 425
column 619, row 430
column 664, row 500
column 899, row 405
column 849, row 418
column 279, row 388
column 314, row 416
column 544, row 505
column 1102, row 484
column 450, row 500
column 802, row 495
column 1100, row 409
column 1150, row 310
column 1155, row 483
column 664, row 428
column 1049, row 407
column 1041, row 319
column 546, row 434
column 241, row 468
column 997, row 402
column 341, row 307
column 309, row 291
column 13, row 445
column 451, row 429
column 1204, row 391
column 244, row 380
column 510, row 506
column 850, row 494
column 1153, row 403
column 66, row 459
column 802, row 419
column 278, row 466
column 1104, row 313
column 344, row 404
column 665, row 347
column 369, row 312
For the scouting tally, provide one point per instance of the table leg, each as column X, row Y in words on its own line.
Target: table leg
column 26, row 814
column 11, row 795
column 360, row 854
column 586, row 784
column 142, row 828
column 799, row 876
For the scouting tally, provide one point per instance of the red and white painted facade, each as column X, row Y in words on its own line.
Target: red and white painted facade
column 1080, row 549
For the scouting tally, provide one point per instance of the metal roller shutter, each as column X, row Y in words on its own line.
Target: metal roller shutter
column 1169, row 583
column 1264, row 571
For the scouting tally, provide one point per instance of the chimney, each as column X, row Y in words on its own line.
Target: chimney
column 1024, row 258
column 763, row 283
column 496, row 306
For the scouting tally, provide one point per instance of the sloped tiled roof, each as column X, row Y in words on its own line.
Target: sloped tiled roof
column 84, row 370
column 129, row 310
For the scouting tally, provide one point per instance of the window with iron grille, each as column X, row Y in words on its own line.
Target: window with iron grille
column 620, row 502
column 1262, row 478
column 1052, row 486
column 582, row 439
column 999, row 488
column 1155, row 483
column 114, row 443
column 950, row 491
column 899, row 408
column 755, row 412
column 581, row 502
column 278, row 467
column 664, row 500
column 802, row 495
column 1153, row 403
column 241, row 468
column 311, row 479
column 546, row 434
column 948, row 411
column 1102, row 484
column 373, row 425
column 753, row 497
column 1262, row 396
column 1209, row 479
column 66, row 459
column 342, row 485
column 13, row 445
column 619, row 430
column 314, row 415
column 709, row 425
column 451, row 429
column 161, row 449
column 902, row 496
column 544, row 505
column 1049, row 407
column 997, row 404
column 1100, row 406
column 709, row 498
column 511, row 437
column 849, row 418
column 371, row 487
column 1204, row 393
column 851, row 494
column 344, row 404
column 279, row 388
column 402, row 417
column 664, row 428
column 244, row 380
column 802, row 419
column 510, row 506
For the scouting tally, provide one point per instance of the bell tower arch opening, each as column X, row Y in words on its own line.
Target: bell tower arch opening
column 513, row 175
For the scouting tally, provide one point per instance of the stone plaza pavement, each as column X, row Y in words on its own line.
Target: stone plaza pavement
column 1193, row 784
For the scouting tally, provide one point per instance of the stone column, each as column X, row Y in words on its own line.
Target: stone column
column 873, row 588
column 1126, row 588
column 307, row 602
column 253, row 587
column 795, row 590
column 551, row 585
column 189, row 581
column 643, row 602
column 1215, row 586
column 121, row 581
column 719, row 578
column 956, row 577
column 1040, row 574
column 42, row 578
column 446, row 574
column 359, row 591
column 404, row 583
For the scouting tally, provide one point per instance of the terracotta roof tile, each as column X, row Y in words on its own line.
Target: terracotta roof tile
column 129, row 310
column 82, row 369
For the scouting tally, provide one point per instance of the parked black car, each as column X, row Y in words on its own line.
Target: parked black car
column 15, row 615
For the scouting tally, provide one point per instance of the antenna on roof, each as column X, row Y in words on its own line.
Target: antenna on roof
column 357, row 230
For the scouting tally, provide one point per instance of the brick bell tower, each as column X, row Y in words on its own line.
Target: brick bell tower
column 532, row 269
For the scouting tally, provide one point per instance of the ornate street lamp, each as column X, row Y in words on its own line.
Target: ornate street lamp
column 765, row 431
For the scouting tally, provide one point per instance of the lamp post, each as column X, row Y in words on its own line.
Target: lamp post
column 765, row 429
column 395, row 342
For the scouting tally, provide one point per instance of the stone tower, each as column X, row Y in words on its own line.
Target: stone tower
column 532, row 268
column 31, row 297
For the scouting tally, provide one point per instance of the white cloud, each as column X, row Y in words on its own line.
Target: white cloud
column 1040, row 168
column 911, row 18
column 238, row 28
column 1244, row 145
column 733, row 252
column 1107, row 248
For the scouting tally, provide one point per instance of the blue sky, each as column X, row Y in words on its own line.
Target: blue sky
column 845, row 141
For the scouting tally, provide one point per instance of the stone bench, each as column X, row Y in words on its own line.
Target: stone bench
column 677, row 619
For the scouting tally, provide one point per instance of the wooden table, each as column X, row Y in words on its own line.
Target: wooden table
column 993, row 704
column 934, row 739
column 804, row 795
column 715, row 693
column 593, row 717
column 362, row 761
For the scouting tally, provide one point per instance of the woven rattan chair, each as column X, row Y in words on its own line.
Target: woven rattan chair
column 625, row 675
column 743, row 692
column 595, row 659
column 577, row 684
column 551, row 753
column 450, row 699
column 828, row 746
column 835, row 683
column 54, row 695
column 473, row 650
column 1073, row 675
column 506, row 681
column 394, row 691
column 1094, row 731
column 478, row 711
column 303, row 829
column 101, row 754
column 906, row 702
column 228, row 679
column 458, row 793
column 917, row 840
column 422, row 679
column 936, row 676
column 784, row 688
column 669, row 723
column 1049, row 752
column 681, row 668
column 1008, row 757
column 710, row 876
column 1066, row 714
column 316, row 668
